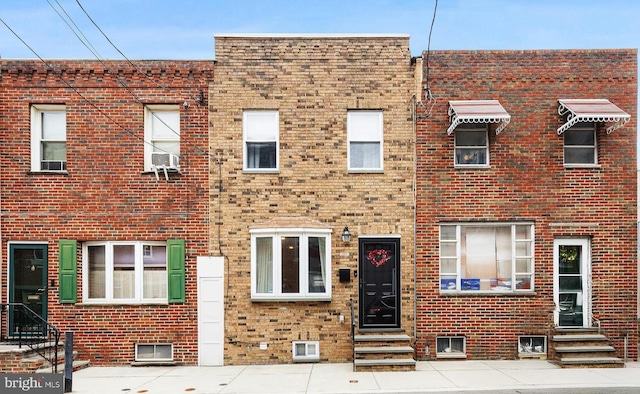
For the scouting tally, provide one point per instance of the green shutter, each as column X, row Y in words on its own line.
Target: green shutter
column 68, row 287
column 175, row 270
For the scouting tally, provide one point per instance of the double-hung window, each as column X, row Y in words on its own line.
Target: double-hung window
column 290, row 264
column 162, row 137
column 365, row 136
column 125, row 272
column 580, row 146
column 472, row 145
column 48, row 138
column 486, row 257
column 261, row 138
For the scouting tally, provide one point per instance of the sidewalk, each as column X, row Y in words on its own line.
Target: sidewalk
column 430, row 376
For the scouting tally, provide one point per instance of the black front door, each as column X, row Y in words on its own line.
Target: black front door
column 28, row 286
column 379, row 273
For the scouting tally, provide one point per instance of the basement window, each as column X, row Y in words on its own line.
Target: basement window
column 304, row 351
column 154, row 352
column 451, row 347
column 532, row 346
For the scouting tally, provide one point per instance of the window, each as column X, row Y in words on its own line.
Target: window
column 290, row 265
column 451, row 347
column 306, row 351
column 532, row 346
column 48, row 138
column 154, row 352
column 125, row 271
column 490, row 257
column 364, row 133
column 472, row 145
column 261, row 134
column 580, row 146
column 162, row 136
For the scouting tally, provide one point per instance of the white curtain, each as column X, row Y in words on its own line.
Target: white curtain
column 264, row 265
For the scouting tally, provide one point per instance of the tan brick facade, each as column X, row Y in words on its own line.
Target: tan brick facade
column 312, row 82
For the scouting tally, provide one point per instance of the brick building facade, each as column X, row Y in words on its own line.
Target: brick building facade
column 532, row 228
column 307, row 99
column 77, row 139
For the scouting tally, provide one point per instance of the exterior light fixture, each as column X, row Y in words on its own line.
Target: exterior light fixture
column 346, row 235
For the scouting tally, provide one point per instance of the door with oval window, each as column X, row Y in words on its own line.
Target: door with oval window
column 572, row 269
column 379, row 281
column 27, row 286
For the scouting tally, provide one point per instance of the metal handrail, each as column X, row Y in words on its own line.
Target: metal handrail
column 39, row 331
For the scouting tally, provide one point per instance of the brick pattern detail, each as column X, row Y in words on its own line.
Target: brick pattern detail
column 312, row 82
column 106, row 195
column 527, row 181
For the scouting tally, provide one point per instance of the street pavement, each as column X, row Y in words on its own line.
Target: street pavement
column 467, row 376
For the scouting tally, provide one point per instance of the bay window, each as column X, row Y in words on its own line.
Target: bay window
column 486, row 257
column 290, row 264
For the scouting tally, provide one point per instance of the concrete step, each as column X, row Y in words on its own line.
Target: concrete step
column 383, row 349
column 385, row 362
column 382, row 338
column 579, row 338
column 584, row 349
column 591, row 360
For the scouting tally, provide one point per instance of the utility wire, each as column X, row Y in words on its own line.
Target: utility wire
column 84, row 40
column 429, row 97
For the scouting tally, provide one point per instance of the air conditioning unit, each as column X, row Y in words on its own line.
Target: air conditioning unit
column 165, row 160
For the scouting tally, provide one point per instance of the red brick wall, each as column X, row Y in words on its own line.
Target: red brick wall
column 527, row 181
column 106, row 195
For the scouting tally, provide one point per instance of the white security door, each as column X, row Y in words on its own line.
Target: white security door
column 572, row 270
column 210, row 311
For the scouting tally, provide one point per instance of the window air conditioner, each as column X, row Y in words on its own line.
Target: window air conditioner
column 165, row 160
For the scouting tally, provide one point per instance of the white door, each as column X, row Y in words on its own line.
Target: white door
column 571, row 290
column 210, row 311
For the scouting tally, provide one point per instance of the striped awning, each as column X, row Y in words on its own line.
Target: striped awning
column 591, row 110
column 477, row 111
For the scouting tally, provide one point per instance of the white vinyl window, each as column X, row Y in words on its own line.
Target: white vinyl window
column 261, row 139
column 290, row 264
column 151, row 352
column 451, row 347
column 162, row 136
column 486, row 257
column 306, row 351
column 48, row 138
column 472, row 145
column 125, row 272
column 365, row 136
column 580, row 145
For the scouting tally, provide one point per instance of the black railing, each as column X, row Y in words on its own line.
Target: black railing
column 22, row 326
column 353, row 335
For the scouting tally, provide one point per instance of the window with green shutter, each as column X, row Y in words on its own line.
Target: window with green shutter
column 176, row 270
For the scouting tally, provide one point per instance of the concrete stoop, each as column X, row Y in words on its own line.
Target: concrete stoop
column 583, row 348
column 383, row 352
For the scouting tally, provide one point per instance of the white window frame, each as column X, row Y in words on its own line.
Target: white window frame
column 172, row 137
column 311, row 351
column 365, row 126
column 581, row 128
column 277, row 293
column 260, row 126
column 452, row 281
column 155, row 346
column 447, row 340
column 528, row 346
column 470, row 127
column 109, row 274
column 37, row 110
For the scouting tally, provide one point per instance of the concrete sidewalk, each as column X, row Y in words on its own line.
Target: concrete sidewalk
column 429, row 377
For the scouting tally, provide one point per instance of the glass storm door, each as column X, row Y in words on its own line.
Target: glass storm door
column 379, row 281
column 28, row 286
column 572, row 266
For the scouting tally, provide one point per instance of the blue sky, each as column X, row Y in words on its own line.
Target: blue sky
column 169, row 29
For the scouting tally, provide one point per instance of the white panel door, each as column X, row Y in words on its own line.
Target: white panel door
column 210, row 311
